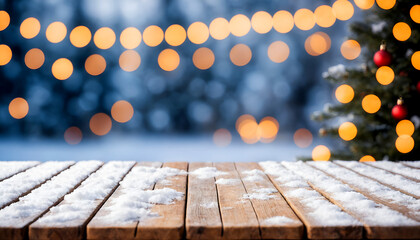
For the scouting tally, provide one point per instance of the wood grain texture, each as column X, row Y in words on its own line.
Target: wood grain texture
column 170, row 223
column 389, row 203
column 19, row 230
column 269, row 208
column 315, row 229
column 98, row 229
column 72, row 230
column 203, row 219
column 238, row 216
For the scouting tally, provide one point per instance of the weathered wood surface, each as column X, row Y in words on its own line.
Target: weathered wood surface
column 228, row 205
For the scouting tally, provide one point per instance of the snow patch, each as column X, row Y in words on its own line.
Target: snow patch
column 225, row 181
column 10, row 168
column 207, row 172
column 261, row 194
column 279, row 220
column 254, row 175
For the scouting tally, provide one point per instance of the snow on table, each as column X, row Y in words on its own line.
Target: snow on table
column 322, row 218
column 414, row 164
column 14, row 187
column 8, row 169
column 396, row 181
column 78, row 206
column 385, row 195
column 378, row 219
column 133, row 200
column 398, row 168
column 15, row 217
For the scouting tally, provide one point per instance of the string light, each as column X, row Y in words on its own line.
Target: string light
column 219, row 28
column 34, row 58
column 122, row 111
column 415, row 13
column 344, row 93
column 386, row 4
column 324, row 16
column 30, row 28
column 5, row 54
column 4, row 20
column 321, row 153
column 62, row 69
column 104, row 38
column 364, row 4
column 198, row 33
column 129, row 60
column 80, row 36
column 239, row 25
column 175, row 35
column 303, row 138
column 168, row 60
column 350, row 49
column 73, row 135
column 95, row 64
column 405, row 127
column 343, row 10
column 153, row 36
column 317, row 44
column 415, row 60
column 404, row 143
column 278, row 51
column 100, row 124
column 371, row 103
column 401, row 31
column 262, row 22
column 267, row 129
column 240, row 55
column 130, row 38
column 56, row 32
column 222, row 137
column 385, row 75
column 18, row 108
column 367, row 158
column 304, row 19
column 347, row 131
column 203, row 58
column 283, row 21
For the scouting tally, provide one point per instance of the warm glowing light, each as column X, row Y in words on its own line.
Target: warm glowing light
column 415, row 13
column 267, row 129
column 18, row 108
column 4, row 20
column 283, row 21
column 5, row 54
column 350, row 49
column 222, row 137
column 198, row 33
column 317, row 44
column 401, row 31
column 34, row 58
column 175, row 35
column 303, row 138
column 262, row 22
column 56, row 32
column 304, row 19
column 240, row 55
column 386, row 4
column 321, row 153
column 104, row 38
column 129, row 60
column 364, row 4
column 100, row 124
column 62, row 69
column 239, row 25
column 415, row 60
column 405, row 127
column 30, row 28
column 168, row 60
column 152, row 36
column 344, row 93
column 203, row 58
column 95, row 64
column 385, row 75
column 367, row 158
column 73, row 135
column 122, row 111
column 242, row 119
column 371, row 103
column 343, row 10
column 249, row 131
column 130, row 38
column 219, row 28
column 404, row 143
column 80, row 36
column 324, row 16
column 278, row 51
column 347, row 131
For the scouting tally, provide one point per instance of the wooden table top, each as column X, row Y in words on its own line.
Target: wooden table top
column 205, row 200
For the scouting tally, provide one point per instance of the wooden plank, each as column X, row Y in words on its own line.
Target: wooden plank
column 33, row 177
column 373, row 190
column 238, row 216
column 388, row 179
column 398, row 169
column 301, row 198
column 270, row 208
column 98, row 229
column 16, row 218
column 170, row 222
column 105, row 180
column 203, row 219
column 371, row 214
column 11, row 168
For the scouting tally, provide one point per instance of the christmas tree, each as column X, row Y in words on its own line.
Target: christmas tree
column 377, row 114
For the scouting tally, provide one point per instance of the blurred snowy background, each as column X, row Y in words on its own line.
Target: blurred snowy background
column 180, row 114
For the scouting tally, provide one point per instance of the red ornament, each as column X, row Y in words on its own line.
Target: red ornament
column 399, row 111
column 418, row 86
column 382, row 57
